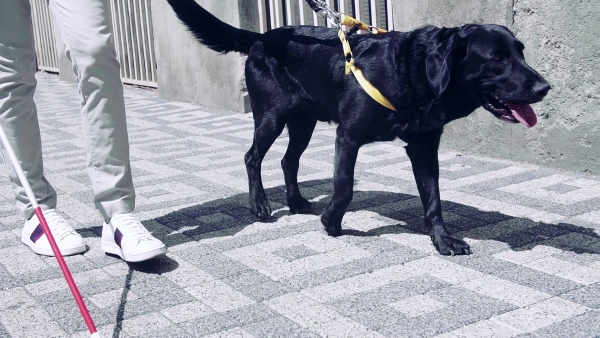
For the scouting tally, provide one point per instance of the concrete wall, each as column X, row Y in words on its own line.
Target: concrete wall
column 562, row 43
column 190, row 72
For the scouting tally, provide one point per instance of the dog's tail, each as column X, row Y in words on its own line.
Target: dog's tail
column 212, row 32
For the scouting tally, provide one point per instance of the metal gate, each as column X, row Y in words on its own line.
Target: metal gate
column 43, row 34
column 278, row 13
column 134, row 42
column 132, row 26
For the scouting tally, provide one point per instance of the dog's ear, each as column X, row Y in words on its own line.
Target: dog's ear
column 438, row 64
column 465, row 30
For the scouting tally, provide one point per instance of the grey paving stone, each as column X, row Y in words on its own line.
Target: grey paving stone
column 69, row 318
column 128, row 308
column 38, row 276
column 379, row 299
column 481, row 262
column 518, row 239
column 537, row 280
column 389, row 258
column 209, row 324
column 504, row 181
column 147, row 285
column 583, row 258
column 251, row 314
column 486, row 247
column 195, row 253
column 462, row 308
column 220, row 266
column 268, row 290
column 246, row 279
column 378, row 319
column 295, row 252
column 588, row 295
column 8, row 281
column 324, row 276
column 162, row 299
column 278, row 326
column 3, row 331
column 380, row 245
column 583, row 326
column 173, row 331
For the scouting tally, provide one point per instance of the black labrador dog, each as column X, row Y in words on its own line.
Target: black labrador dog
column 295, row 77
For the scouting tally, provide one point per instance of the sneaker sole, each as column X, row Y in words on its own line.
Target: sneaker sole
column 113, row 249
column 48, row 252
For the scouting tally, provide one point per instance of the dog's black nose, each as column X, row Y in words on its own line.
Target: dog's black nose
column 541, row 88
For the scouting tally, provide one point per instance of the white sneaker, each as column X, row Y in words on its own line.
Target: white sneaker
column 127, row 238
column 68, row 241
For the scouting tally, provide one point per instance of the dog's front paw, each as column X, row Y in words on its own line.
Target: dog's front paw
column 300, row 206
column 333, row 230
column 262, row 210
column 449, row 245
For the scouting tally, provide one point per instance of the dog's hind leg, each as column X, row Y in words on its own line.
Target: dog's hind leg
column 424, row 159
column 300, row 131
column 268, row 128
column 346, row 152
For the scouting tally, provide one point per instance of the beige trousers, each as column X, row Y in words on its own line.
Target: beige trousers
column 86, row 30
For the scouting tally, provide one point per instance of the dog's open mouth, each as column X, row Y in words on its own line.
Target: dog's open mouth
column 510, row 112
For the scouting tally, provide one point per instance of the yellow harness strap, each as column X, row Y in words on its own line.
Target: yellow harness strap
column 349, row 21
column 350, row 67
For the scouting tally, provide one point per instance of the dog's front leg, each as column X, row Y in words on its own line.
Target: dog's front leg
column 424, row 159
column 346, row 151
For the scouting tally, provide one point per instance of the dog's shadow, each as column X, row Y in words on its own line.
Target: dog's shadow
column 230, row 215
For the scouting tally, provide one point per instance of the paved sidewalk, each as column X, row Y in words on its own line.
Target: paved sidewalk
column 534, row 231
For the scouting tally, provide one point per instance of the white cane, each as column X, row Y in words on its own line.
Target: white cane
column 38, row 211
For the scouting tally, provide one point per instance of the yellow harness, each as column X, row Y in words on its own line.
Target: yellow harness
column 350, row 67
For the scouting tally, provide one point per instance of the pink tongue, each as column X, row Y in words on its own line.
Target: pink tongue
column 524, row 113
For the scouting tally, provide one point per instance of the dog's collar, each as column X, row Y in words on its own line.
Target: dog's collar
column 364, row 83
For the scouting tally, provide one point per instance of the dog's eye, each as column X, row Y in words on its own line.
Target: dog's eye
column 497, row 58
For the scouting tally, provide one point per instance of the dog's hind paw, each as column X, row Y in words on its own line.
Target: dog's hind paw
column 300, row 206
column 450, row 246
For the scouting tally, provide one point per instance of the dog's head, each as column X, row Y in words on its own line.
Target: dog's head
column 488, row 61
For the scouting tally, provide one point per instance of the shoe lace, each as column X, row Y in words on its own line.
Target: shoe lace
column 129, row 224
column 57, row 224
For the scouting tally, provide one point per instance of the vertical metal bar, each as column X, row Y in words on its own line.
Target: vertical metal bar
column 142, row 44
column 390, row 15
column 261, row 16
column 288, row 10
column 327, row 21
column 301, row 11
column 278, row 14
column 128, row 37
column 272, row 14
column 135, row 38
column 373, row 12
column 148, row 10
column 119, row 31
column 357, row 10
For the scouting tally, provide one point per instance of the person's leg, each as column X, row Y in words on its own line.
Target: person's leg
column 86, row 29
column 18, row 114
column 18, row 117
column 87, row 32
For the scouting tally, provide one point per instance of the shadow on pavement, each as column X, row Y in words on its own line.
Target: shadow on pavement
column 230, row 215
